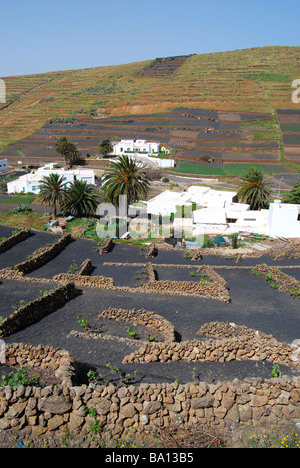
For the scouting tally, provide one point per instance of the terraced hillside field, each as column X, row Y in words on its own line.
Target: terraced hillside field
column 255, row 80
column 193, row 135
column 289, row 121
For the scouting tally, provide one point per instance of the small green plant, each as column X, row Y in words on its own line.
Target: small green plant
column 275, row 370
column 269, row 277
column 72, row 268
column 295, row 292
column 94, row 427
column 151, row 338
column 131, row 332
column 82, row 321
column 192, row 274
column 17, row 378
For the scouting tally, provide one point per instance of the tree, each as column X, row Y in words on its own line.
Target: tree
column 68, row 150
column 293, row 196
column 81, row 199
column 52, row 192
column 254, row 190
column 125, row 177
column 105, row 147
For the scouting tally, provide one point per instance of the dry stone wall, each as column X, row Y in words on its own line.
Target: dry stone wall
column 35, row 310
column 241, row 345
column 137, row 411
column 44, row 256
column 283, row 281
column 14, row 240
column 42, row 357
column 141, row 317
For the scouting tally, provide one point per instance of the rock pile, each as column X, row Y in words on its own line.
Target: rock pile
column 106, row 247
column 152, row 252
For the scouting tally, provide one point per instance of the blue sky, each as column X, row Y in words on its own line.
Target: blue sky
column 39, row 36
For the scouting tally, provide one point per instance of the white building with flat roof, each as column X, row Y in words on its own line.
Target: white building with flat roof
column 135, row 146
column 31, row 182
column 217, row 212
column 3, row 165
column 284, row 220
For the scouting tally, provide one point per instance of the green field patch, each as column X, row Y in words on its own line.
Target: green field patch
column 228, row 169
column 239, row 169
column 18, row 200
column 276, row 77
column 290, row 128
column 200, row 169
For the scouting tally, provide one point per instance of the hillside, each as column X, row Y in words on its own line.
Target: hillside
column 251, row 81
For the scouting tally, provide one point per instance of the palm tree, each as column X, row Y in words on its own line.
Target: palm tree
column 253, row 189
column 68, row 150
column 293, row 196
column 125, row 177
column 81, row 199
column 105, row 147
column 52, row 192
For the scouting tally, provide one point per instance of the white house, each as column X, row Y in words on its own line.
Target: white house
column 284, row 220
column 143, row 151
column 31, row 182
column 3, row 165
column 135, row 146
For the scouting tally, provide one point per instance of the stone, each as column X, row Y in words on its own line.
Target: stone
column 75, row 421
column 258, row 400
column 151, row 407
column 55, row 422
column 55, row 404
column 204, row 402
column 127, row 411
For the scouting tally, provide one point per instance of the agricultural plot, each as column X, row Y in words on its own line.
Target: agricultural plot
column 191, row 134
column 71, row 325
column 289, row 121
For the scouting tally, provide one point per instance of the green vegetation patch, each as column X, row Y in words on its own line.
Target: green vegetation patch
column 186, row 168
column 276, row 77
column 238, row 169
column 17, row 200
column 228, row 169
column 290, row 128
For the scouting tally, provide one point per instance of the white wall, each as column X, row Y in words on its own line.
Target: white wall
column 144, row 146
column 31, row 182
column 283, row 220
